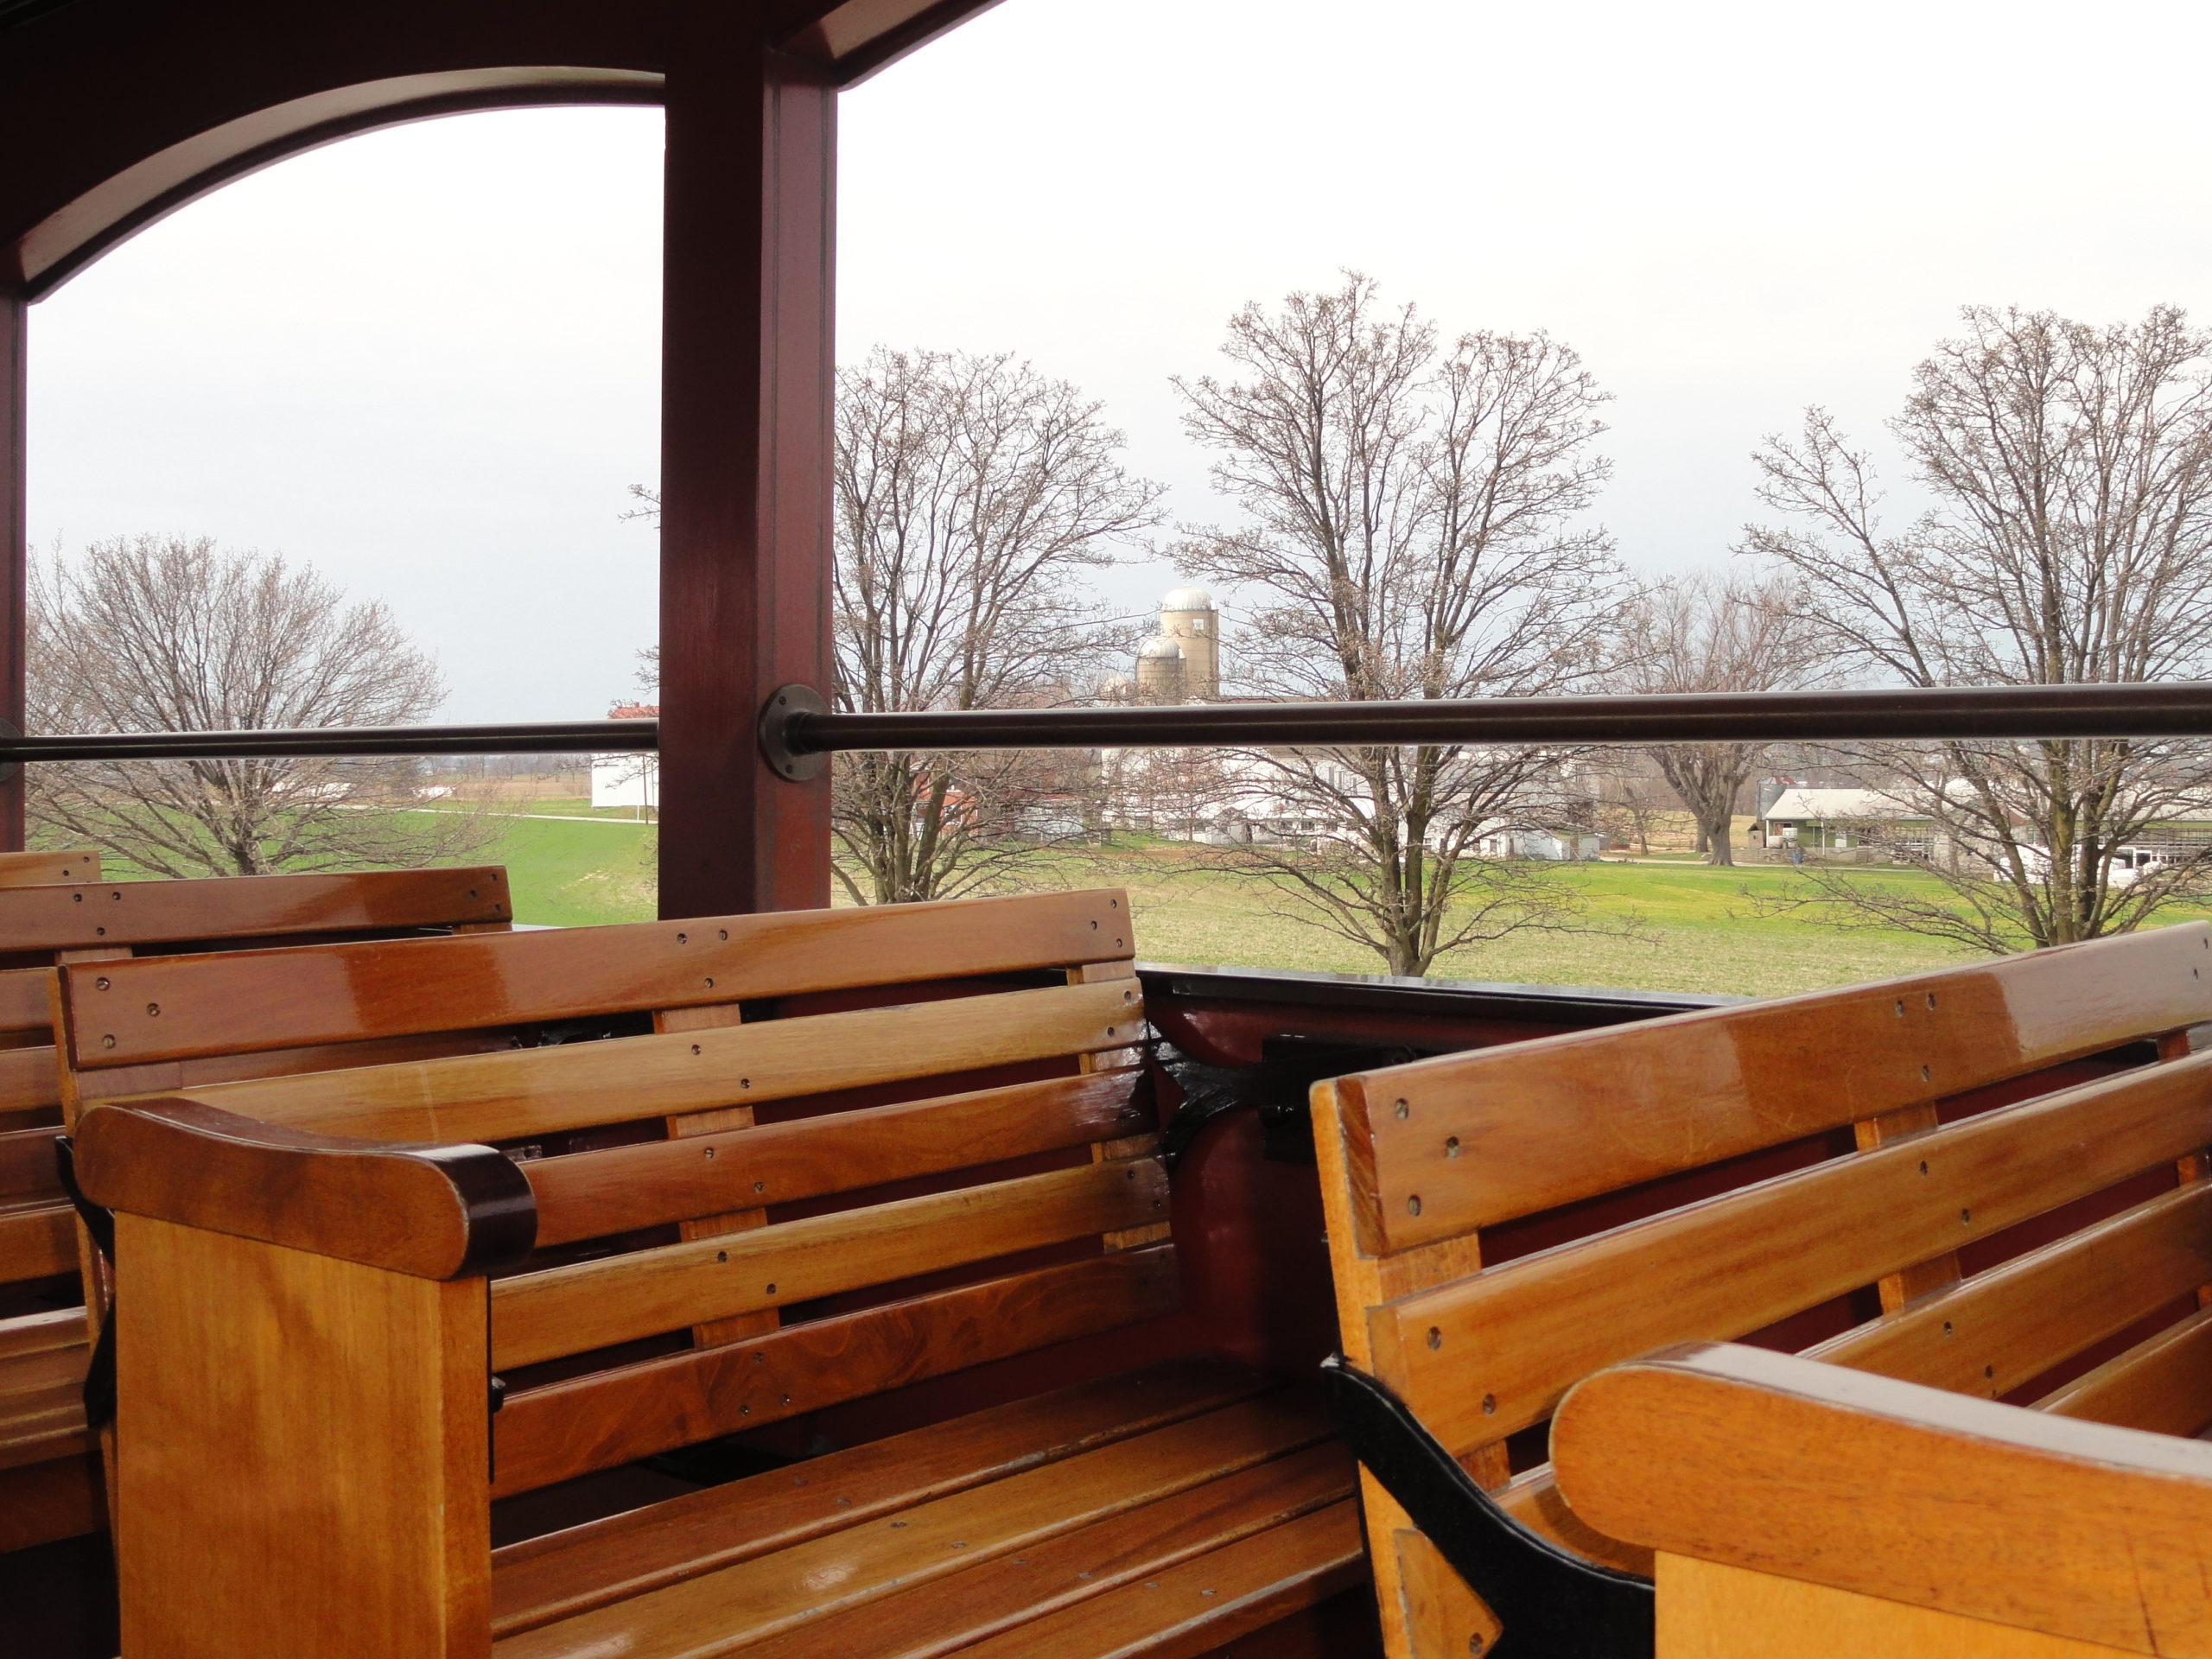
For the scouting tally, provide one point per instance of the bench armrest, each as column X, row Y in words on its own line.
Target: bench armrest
column 1800, row 1470
column 435, row 1212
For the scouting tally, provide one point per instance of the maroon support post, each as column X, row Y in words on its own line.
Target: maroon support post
column 747, row 382
column 15, row 448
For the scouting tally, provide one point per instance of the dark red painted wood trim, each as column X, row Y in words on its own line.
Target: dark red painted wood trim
column 15, row 421
column 746, row 393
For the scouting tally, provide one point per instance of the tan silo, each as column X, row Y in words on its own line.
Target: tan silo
column 1161, row 671
column 1189, row 617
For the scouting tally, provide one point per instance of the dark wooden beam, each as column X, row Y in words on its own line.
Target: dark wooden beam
column 15, row 329
column 855, row 38
column 747, row 372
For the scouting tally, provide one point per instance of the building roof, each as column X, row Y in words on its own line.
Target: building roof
column 1158, row 646
column 1838, row 803
column 1188, row 599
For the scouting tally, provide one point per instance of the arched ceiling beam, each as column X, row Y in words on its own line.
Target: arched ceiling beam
column 70, row 238
column 116, row 112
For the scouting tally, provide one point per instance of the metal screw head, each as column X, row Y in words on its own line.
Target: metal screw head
column 1401, row 1108
column 99, row 984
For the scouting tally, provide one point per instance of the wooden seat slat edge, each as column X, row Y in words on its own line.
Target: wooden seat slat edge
column 564, row 1573
column 751, row 1601
column 1204, row 1603
column 950, row 1613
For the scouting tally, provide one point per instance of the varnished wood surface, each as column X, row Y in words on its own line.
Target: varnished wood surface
column 2004, row 1327
column 2164, row 1383
column 275, row 1507
column 247, row 906
column 585, row 1567
column 1501, row 1132
column 592, row 1194
column 435, row 1212
column 26, row 1001
column 750, row 1600
column 1187, row 1610
column 1065, row 1574
column 348, row 992
column 1735, row 1263
column 45, row 1502
column 28, row 1173
column 598, row 1304
column 37, row 869
column 548, row 1433
column 37, row 1240
column 1789, row 1467
column 1710, row 1611
column 527, row 1092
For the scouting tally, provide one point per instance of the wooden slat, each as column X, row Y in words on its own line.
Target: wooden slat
column 43, row 1424
column 2164, row 1383
column 180, row 1076
column 527, row 1092
column 565, row 1572
column 1484, row 1357
column 66, row 918
column 1190, row 1610
column 569, row 1428
column 947, row 1614
column 43, row 1502
column 751, row 1601
column 1784, row 1465
column 26, row 1000
column 28, row 1170
column 591, row 1195
column 37, row 869
column 346, row 992
column 37, row 1240
column 28, row 1079
column 40, row 1333
column 642, row 1292
column 1999, row 1329
column 1506, row 1131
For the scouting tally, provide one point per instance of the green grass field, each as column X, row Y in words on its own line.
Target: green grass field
column 1673, row 924
column 1699, row 928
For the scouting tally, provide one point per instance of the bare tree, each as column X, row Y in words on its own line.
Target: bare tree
column 160, row 634
column 970, row 493
column 2071, row 542
column 1410, row 531
column 1698, row 633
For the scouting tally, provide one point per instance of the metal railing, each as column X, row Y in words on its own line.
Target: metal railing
column 798, row 732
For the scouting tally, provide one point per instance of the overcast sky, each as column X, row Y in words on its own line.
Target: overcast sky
column 425, row 360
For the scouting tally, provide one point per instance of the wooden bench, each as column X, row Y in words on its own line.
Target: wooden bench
column 49, row 1477
column 1987, row 1180
column 875, row 1192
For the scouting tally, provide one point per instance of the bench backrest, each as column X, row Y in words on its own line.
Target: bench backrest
column 1883, row 1176
column 53, row 923
column 780, row 1161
